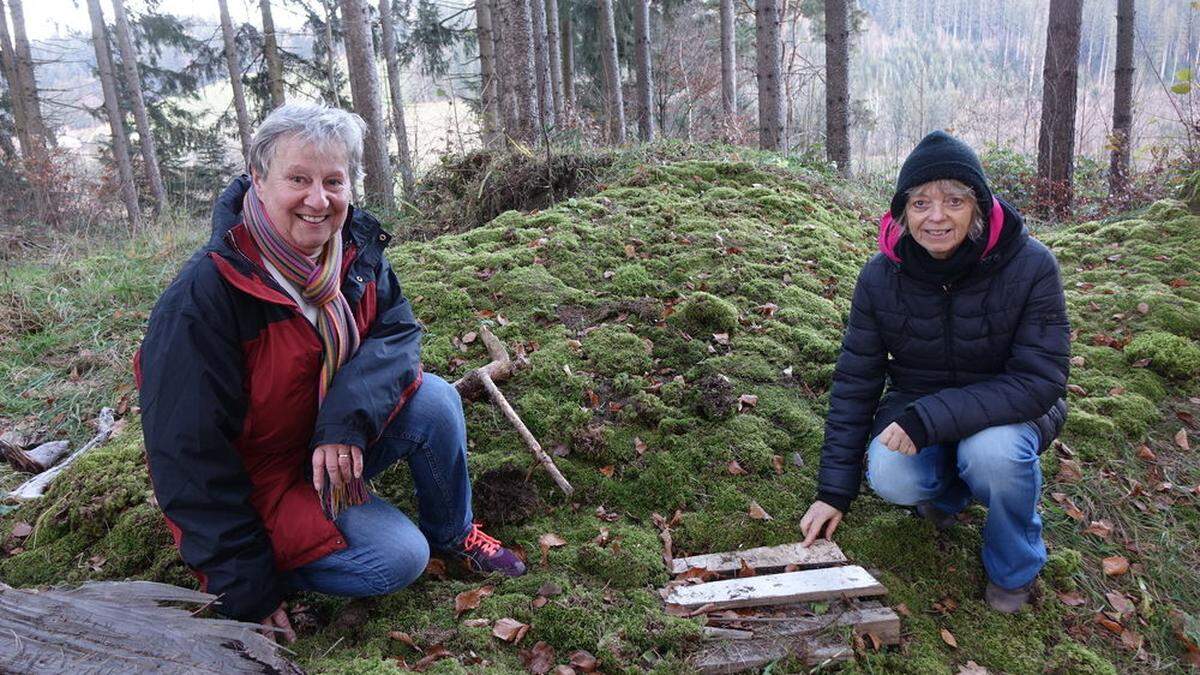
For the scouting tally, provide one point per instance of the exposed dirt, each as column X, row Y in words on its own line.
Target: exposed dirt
column 504, row 497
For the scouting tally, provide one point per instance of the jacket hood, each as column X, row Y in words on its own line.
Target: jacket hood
column 1003, row 219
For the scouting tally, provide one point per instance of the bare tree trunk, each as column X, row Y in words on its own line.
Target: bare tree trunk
column 1056, row 136
column 331, row 61
column 120, row 144
column 378, row 185
column 506, row 88
column 393, row 71
column 1118, row 174
column 612, row 73
column 554, row 42
column 645, row 80
column 133, row 87
column 487, row 75
column 768, row 48
column 9, row 60
column 566, row 27
column 235, row 78
column 29, row 89
column 517, row 34
column 541, row 59
column 728, row 62
column 271, row 54
column 837, row 85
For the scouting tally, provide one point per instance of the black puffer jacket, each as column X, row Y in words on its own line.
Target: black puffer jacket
column 991, row 349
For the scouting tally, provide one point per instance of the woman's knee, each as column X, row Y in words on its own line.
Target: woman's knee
column 999, row 455
column 401, row 565
column 435, row 412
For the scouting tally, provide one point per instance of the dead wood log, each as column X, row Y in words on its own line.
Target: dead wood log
column 36, row 460
column 35, row 487
column 483, row 380
column 123, row 627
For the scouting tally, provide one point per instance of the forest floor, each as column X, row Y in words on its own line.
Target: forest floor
column 649, row 303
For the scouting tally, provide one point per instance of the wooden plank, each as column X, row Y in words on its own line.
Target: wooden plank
column 776, row 589
column 821, row 554
column 883, row 622
column 714, row 633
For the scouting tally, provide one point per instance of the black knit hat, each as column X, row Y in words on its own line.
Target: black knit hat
column 940, row 155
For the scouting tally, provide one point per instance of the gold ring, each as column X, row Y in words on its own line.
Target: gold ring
column 343, row 454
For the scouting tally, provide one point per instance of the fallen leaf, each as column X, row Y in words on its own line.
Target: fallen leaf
column 1144, row 452
column 1120, row 602
column 746, row 570
column 510, row 630
column 1078, row 361
column 539, row 602
column 1143, row 308
column 1187, row 418
column 1111, row 625
column 1072, row 599
column 606, row 516
column 735, row 469
column 757, row 512
column 639, row 446
column 468, row 338
column 583, row 661
column 603, row 538
column 539, row 659
column 476, row 623
column 972, row 668
column 468, row 600
column 1100, row 528
column 1115, row 566
column 630, row 251
column 1069, row 471
column 433, row 654
column 1140, row 363
column 945, row 606
column 548, row 541
column 608, row 471
column 436, row 567
column 1116, row 391
column 1181, row 439
column 1131, row 640
column 21, row 530
column 701, row 573
column 768, row 309
column 777, row 462
column 721, row 338
column 747, row 401
column 405, row 638
column 562, row 670
column 903, row 610
column 948, row 638
column 1077, row 390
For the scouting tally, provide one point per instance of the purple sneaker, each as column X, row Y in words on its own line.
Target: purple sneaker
column 484, row 554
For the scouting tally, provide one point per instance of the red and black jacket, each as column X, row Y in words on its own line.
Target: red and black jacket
column 228, row 379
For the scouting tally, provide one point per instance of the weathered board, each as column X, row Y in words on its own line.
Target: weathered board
column 776, row 589
column 822, row 553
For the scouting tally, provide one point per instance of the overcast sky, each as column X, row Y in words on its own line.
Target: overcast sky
column 47, row 18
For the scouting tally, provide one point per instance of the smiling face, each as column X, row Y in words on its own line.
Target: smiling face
column 306, row 192
column 939, row 218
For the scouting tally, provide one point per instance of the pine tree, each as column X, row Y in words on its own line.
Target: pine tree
column 645, row 79
column 271, row 55
column 393, row 70
column 1118, row 173
column 769, row 53
column 1056, row 135
column 728, row 61
column 133, row 86
column 364, row 88
column 120, row 144
column 612, row 73
column 489, row 99
column 235, row 78
column 837, row 84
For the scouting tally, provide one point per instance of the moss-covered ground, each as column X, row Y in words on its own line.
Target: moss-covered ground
column 648, row 309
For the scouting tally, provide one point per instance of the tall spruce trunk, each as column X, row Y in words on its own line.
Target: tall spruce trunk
column 567, row 29
column 39, row 134
column 521, row 72
column 8, row 59
column 769, row 54
column 378, row 187
column 489, row 102
column 1122, row 124
column 271, row 54
column 612, row 73
column 554, row 43
column 837, row 85
column 1056, row 136
column 133, row 89
column 541, row 60
column 120, row 144
column 645, row 77
column 728, row 62
column 235, row 78
column 331, row 49
column 393, row 71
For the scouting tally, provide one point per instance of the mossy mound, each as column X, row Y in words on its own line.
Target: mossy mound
column 1170, row 355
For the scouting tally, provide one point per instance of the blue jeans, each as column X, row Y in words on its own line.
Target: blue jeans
column 385, row 551
column 999, row 468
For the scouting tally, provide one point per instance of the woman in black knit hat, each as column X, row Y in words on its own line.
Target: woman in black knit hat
column 962, row 315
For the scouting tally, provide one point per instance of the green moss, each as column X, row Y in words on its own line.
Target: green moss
column 1072, row 658
column 631, row 559
column 1091, row 435
column 1061, row 568
column 612, row 350
column 633, row 280
column 1170, row 355
column 704, row 313
column 1189, row 192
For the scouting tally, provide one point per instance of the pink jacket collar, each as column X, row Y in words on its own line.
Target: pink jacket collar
column 890, row 231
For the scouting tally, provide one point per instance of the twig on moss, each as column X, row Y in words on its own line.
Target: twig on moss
column 35, row 487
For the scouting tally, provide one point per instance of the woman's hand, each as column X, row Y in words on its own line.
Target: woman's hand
column 896, row 438
column 278, row 619
column 819, row 517
column 341, row 462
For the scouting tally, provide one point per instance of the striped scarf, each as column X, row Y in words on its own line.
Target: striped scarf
column 319, row 284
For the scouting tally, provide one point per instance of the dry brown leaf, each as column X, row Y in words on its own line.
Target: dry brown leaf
column 1131, row 640
column 1144, row 452
column 1181, row 439
column 539, row 659
column 701, row 573
column 584, row 661
column 1116, row 391
column 510, row 630
column 721, row 338
column 747, row 401
column 948, row 638
column 1077, row 390
column 1187, row 418
column 476, row 623
column 1078, row 361
column 1143, row 308
column 1109, row 624
column 433, row 654
column 1120, row 602
column 1072, row 599
column 746, row 570
column 972, row 668
column 468, row 600
column 777, row 463
column 757, row 512
column 539, row 602
column 548, row 541
column 639, row 446
column 405, row 638
column 735, row 469
column 903, row 610
column 1069, row 471
column 1100, row 528
column 562, row 670
column 21, row 530
column 1115, row 566
column 436, row 567
column 608, row 471
column 469, row 337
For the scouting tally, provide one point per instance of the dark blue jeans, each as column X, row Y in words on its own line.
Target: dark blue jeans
column 385, row 550
column 998, row 467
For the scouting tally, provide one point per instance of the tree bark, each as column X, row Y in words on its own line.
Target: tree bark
column 133, row 87
column 837, row 85
column 1056, row 136
column 271, row 54
column 554, row 41
column 645, row 81
column 9, row 61
column 728, row 62
column 1118, row 174
column 364, row 89
column 566, row 28
column 769, row 52
column 612, row 73
column 331, row 48
column 39, row 135
column 487, row 75
column 517, row 34
column 393, row 70
column 235, row 78
column 120, row 144
column 541, row 59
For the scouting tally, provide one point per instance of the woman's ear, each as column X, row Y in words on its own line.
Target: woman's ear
column 256, row 181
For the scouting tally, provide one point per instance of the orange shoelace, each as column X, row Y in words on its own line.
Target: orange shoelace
column 477, row 539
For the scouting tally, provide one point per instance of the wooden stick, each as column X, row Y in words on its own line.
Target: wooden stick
column 35, row 487
column 526, row 436
column 499, row 369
